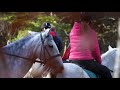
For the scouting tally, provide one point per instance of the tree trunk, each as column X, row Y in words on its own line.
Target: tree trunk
column 117, row 62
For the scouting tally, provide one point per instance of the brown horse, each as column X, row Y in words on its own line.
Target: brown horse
column 17, row 58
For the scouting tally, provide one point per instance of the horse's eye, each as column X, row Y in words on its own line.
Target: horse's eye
column 50, row 44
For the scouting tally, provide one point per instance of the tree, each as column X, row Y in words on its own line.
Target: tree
column 117, row 61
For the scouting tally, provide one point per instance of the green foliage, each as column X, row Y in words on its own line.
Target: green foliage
column 106, row 27
column 21, row 34
column 62, row 29
column 9, row 17
column 34, row 25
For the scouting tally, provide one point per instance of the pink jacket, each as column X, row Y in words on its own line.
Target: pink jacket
column 83, row 46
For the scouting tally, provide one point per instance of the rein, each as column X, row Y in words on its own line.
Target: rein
column 21, row 57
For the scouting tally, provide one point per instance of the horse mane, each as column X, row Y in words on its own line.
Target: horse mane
column 17, row 44
column 108, row 53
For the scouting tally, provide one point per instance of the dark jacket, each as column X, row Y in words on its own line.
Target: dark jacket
column 57, row 40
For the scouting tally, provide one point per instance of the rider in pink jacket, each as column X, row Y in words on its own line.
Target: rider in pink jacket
column 84, row 48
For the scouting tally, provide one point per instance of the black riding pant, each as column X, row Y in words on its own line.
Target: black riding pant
column 94, row 66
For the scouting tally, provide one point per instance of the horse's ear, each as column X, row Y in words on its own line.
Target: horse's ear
column 47, row 31
column 109, row 47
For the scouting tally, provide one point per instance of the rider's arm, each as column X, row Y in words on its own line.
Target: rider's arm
column 96, row 51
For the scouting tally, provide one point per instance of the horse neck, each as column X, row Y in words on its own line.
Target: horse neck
column 18, row 67
column 108, row 59
column 23, row 48
column 33, row 45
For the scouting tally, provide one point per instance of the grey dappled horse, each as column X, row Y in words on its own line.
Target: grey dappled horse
column 17, row 58
column 74, row 71
column 108, row 58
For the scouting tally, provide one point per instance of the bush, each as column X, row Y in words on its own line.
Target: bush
column 21, row 34
column 63, row 29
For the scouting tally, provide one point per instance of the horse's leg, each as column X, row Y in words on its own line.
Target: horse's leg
column 48, row 76
column 52, row 75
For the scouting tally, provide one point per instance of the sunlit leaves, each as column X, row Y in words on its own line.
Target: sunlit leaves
column 106, row 28
column 21, row 34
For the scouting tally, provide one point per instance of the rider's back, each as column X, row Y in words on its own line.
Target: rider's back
column 82, row 43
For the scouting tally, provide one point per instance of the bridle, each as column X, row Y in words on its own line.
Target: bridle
column 34, row 60
column 45, row 49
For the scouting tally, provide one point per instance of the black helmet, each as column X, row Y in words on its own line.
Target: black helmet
column 45, row 25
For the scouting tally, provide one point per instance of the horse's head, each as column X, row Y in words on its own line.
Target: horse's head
column 48, row 52
column 108, row 58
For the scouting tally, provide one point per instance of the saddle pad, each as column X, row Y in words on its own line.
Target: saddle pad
column 90, row 73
